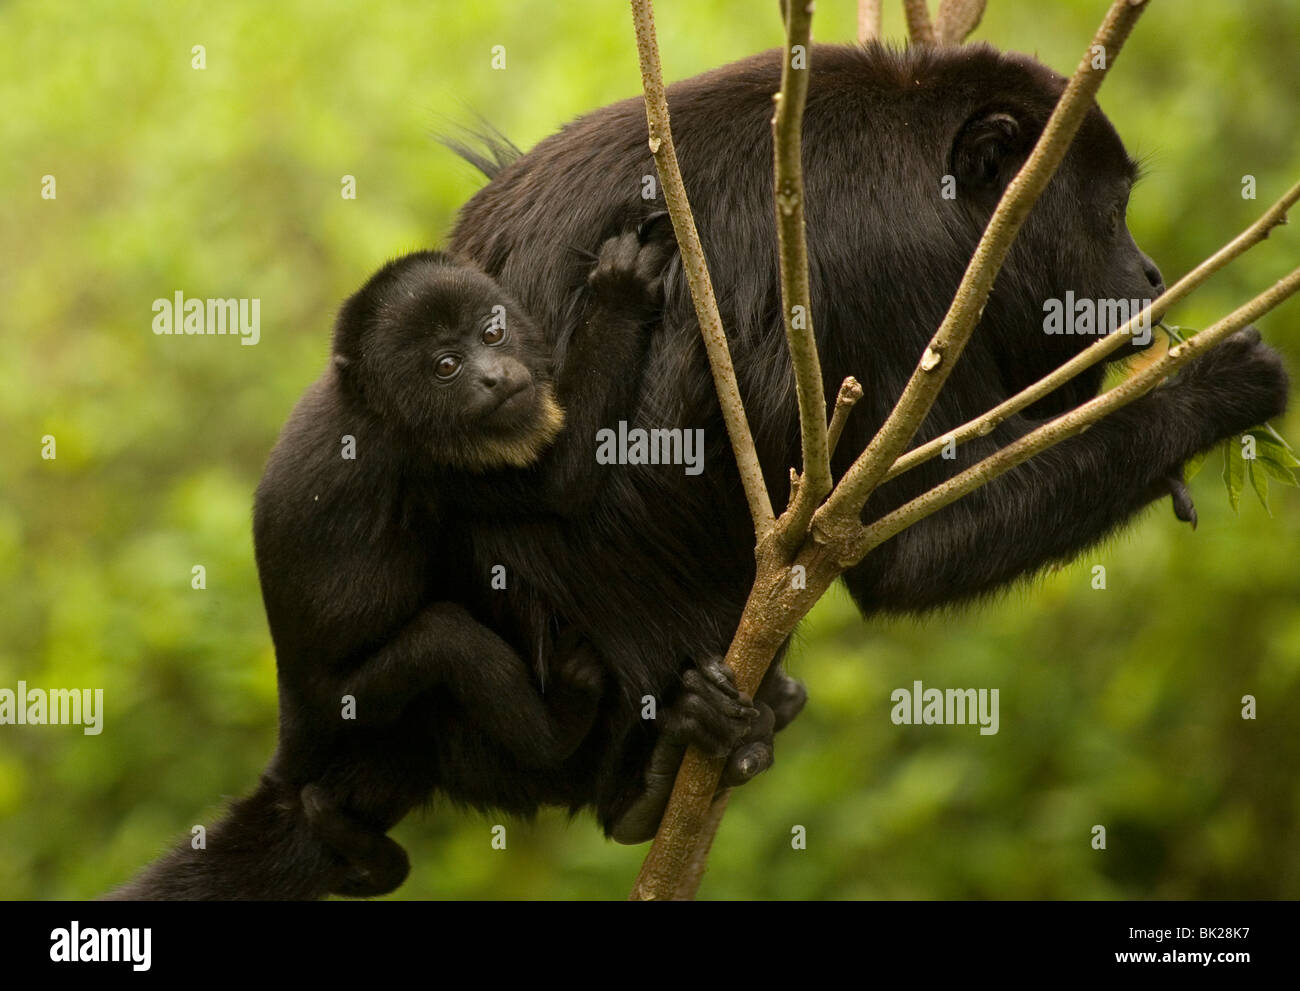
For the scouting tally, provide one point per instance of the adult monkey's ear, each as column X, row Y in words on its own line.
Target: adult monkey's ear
column 987, row 152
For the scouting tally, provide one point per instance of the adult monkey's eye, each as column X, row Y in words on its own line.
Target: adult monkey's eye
column 447, row 367
column 494, row 334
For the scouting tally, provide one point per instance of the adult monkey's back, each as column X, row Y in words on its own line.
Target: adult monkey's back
column 661, row 569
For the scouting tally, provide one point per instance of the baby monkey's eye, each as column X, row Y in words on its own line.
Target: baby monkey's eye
column 494, row 334
column 447, row 367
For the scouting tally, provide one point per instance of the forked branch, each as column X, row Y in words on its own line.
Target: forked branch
column 836, row 538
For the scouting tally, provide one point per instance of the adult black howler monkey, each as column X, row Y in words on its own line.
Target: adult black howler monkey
column 659, row 571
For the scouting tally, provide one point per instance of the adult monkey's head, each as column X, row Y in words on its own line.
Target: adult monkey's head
column 1075, row 241
column 939, row 134
column 905, row 156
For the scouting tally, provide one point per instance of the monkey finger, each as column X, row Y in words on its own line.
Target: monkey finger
column 719, row 673
column 784, row 694
column 745, row 763
column 705, row 723
column 763, row 727
column 1184, row 508
column 650, row 266
column 724, row 696
column 578, row 666
column 755, row 753
column 384, row 869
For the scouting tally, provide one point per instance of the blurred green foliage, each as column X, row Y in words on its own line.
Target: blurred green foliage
column 1118, row 707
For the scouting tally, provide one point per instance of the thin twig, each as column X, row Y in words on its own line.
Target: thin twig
column 919, row 28
column 869, row 21
column 796, row 298
column 849, row 394
column 697, row 272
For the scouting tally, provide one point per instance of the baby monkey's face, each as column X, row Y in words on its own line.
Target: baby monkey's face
column 470, row 345
column 452, row 356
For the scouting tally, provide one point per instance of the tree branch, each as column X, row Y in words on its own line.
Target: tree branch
column 836, row 538
column 776, row 604
column 919, row 28
column 796, row 299
column 697, row 272
column 869, row 21
column 849, row 394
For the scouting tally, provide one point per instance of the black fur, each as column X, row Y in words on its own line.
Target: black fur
column 658, row 573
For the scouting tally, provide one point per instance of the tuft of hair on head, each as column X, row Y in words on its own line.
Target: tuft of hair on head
column 483, row 146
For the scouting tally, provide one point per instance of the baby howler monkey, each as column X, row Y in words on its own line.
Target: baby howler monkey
column 390, row 687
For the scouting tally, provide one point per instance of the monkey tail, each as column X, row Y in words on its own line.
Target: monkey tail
column 266, row 848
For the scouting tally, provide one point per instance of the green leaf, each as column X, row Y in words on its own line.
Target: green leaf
column 1274, row 456
column 1267, row 447
column 1259, row 481
column 1234, row 471
column 1280, row 472
column 1194, row 464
